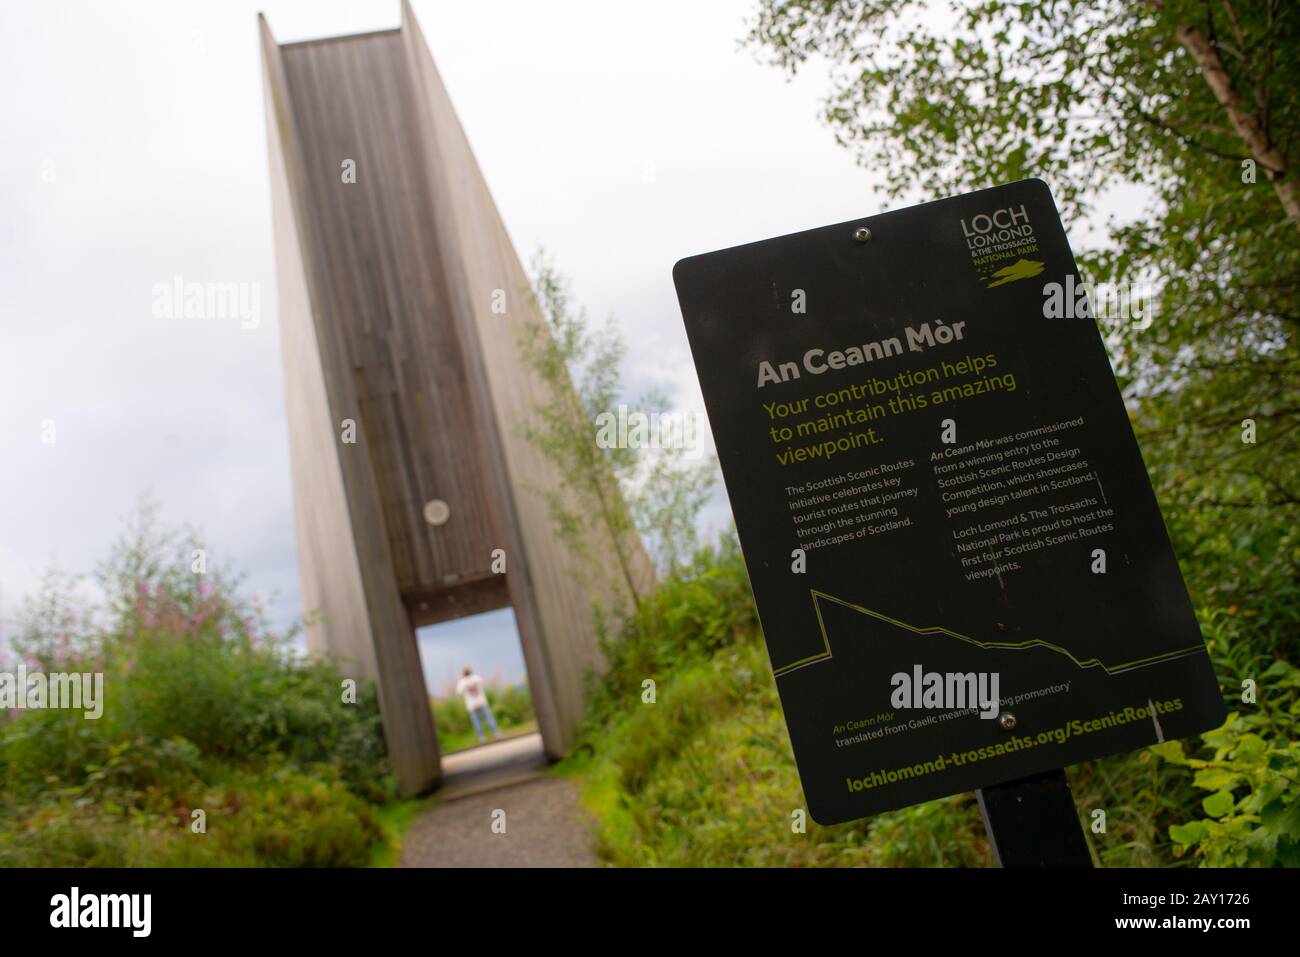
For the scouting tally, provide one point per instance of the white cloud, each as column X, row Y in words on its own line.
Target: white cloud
column 621, row 137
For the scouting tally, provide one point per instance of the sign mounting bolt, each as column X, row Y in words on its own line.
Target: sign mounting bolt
column 862, row 234
column 1007, row 722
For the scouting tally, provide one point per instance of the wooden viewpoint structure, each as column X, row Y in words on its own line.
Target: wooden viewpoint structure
column 400, row 302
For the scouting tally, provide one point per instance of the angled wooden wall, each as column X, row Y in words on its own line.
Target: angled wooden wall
column 386, row 291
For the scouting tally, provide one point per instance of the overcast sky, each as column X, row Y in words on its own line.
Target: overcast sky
column 620, row 136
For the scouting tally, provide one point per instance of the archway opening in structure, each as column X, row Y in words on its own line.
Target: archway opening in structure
column 488, row 645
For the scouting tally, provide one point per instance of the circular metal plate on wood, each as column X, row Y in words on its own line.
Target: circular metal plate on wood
column 436, row 512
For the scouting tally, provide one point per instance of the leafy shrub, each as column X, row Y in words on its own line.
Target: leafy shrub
column 700, row 608
column 286, row 818
column 1251, row 768
column 203, row 707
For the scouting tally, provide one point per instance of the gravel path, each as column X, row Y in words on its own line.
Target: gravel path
column 501, row 784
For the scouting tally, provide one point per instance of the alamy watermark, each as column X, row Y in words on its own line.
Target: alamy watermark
column 74, row 909
column 946, row 691
column 626, row 429
column 76, row 691
column 179, row 299
column 1132, row 302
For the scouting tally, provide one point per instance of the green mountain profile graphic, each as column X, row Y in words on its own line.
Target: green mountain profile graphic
column 1113, row 668
column 1020, row 269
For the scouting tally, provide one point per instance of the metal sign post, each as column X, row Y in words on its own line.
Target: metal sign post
column 1032, row 822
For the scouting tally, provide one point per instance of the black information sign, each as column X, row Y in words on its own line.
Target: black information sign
column 961, row 570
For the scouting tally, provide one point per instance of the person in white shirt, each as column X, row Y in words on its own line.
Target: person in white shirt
column 473, row 690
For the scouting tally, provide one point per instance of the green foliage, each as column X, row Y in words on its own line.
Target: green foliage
column 1250, row 768
column 395, row 819
column 1184, row 101
column 1084, row 93
column 579, row 367
column 612, row 493
column 1095, row 96
column 705, row 776
column 1140, row 798
column 271, row 818
column 698, row 609
column 202, row 708
column 512, row 706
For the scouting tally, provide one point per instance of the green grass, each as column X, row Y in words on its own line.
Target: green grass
column 452, row 743
column 394, row 820
column 704, row 777
column 252, row 818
